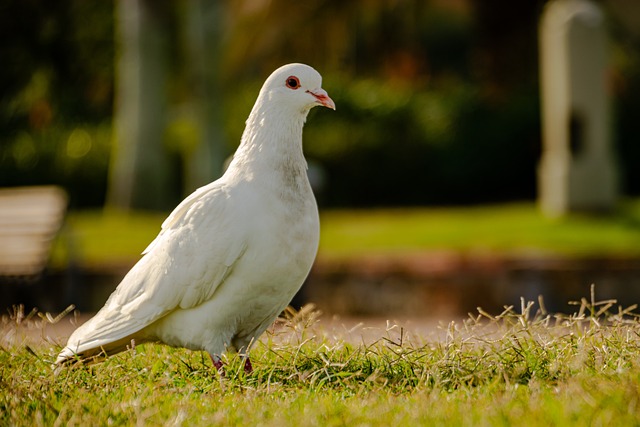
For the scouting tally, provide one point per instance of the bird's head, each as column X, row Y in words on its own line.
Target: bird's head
column 297, row 86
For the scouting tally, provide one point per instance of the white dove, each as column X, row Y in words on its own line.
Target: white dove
column 233, row 254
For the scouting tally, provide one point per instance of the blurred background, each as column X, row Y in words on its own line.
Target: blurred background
column 426, row 175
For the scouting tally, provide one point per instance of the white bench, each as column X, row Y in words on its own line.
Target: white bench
column 30, row 217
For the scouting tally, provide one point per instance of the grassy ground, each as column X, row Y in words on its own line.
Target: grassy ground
column 504, row 228
column 522, row 367
column 97, row 237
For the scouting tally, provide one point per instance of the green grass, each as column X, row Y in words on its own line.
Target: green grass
column 510, row 228
column 522, row 367
column 109, row 237
column 105, row 237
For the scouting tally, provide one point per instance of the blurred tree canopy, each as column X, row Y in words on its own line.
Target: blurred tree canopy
column 437, row 100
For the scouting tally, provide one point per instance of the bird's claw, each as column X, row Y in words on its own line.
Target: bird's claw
column 248, row 368
column 217, row 363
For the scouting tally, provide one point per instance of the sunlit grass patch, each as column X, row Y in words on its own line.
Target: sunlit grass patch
column 514, row 229
column 491, row 369
column 111, row 237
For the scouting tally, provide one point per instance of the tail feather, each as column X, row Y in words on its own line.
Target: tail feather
column 106, row 334
column 95, row 354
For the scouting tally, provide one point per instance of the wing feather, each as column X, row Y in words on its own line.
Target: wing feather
column 171, row 274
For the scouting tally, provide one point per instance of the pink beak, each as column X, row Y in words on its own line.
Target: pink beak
column 323, row 98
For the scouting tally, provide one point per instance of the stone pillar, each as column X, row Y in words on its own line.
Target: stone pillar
column 577, row 170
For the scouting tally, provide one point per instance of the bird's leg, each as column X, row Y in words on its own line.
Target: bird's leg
column 248, row 368
column 217, row 363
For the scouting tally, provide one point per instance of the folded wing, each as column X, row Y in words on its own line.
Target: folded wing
column 172, row 274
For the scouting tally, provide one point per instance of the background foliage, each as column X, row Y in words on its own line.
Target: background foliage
column 437, row 101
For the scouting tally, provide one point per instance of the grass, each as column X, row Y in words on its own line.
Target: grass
column 109, row 237
column 506, row 228
column 523, row 366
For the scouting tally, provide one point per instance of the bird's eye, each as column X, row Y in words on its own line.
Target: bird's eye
column 293, row 82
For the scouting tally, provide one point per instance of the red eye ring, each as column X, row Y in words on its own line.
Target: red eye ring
column 293, row 82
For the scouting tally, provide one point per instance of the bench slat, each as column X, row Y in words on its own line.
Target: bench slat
column 29, row 219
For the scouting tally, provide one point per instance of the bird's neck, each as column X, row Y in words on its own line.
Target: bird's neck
column 271, row 144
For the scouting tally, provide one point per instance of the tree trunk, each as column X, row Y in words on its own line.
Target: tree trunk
column 140, row 169
column 203, row 33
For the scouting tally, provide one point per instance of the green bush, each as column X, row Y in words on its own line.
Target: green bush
column 391, row 145
column 75, row 158
column 387, row 144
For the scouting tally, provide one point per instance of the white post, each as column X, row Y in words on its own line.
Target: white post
column 577, row 170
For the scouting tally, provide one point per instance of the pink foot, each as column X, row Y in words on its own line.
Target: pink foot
column 217, row 363
column 248, row 368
